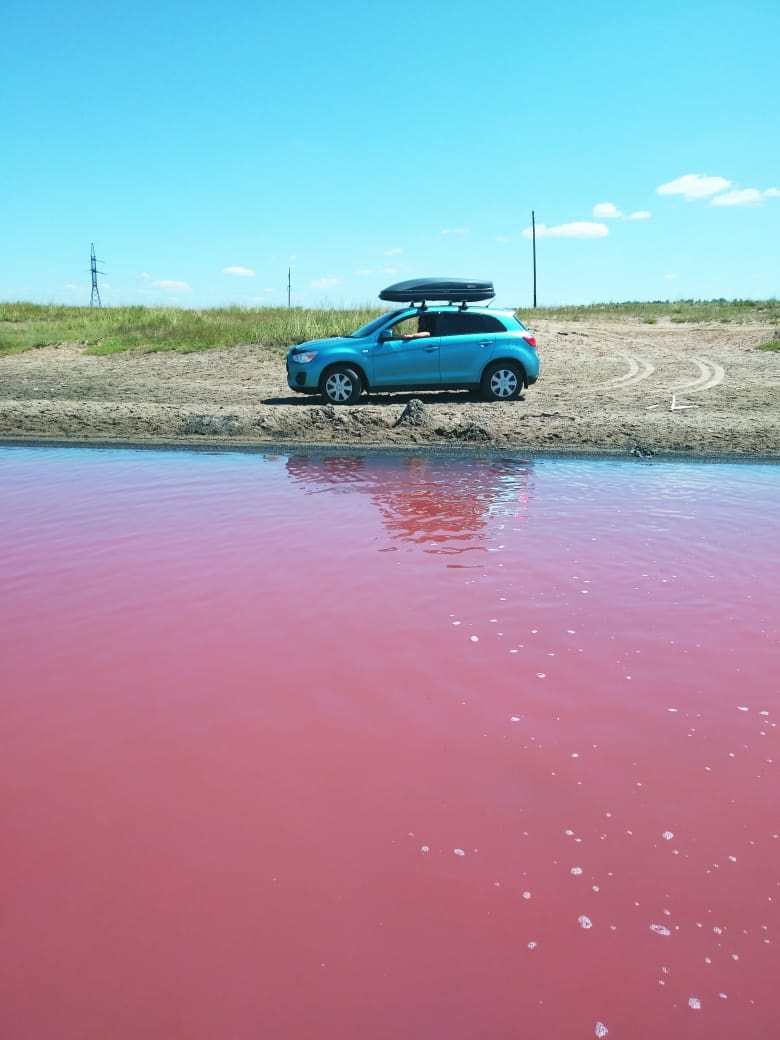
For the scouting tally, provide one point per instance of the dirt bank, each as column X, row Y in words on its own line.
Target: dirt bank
column 616, row 387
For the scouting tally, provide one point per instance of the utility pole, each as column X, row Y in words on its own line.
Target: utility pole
column 289, row 284
column 94, row 300
column 533, row 236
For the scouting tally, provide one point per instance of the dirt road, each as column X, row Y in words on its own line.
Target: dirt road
column 618, row 386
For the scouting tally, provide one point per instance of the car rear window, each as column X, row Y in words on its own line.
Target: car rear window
column 465, row 323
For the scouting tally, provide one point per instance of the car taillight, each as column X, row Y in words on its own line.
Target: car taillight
column 531, row 341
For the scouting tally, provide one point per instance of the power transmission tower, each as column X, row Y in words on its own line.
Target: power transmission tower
column 94, row 300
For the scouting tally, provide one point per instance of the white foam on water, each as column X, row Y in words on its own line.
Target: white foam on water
column 459, row 852
column 526, row 895
column 660, row 929
column 584, row 922
column 600, row 1030
column 694, row 1002
column 667, row 835
column 576, row 870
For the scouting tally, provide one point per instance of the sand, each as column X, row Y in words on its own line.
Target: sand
column 617, row 387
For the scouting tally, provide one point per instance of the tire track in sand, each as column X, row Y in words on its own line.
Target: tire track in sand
column 638, row 369
column 711, row 374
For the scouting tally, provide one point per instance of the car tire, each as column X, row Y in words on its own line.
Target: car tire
column 502, row 381
column 341, row 385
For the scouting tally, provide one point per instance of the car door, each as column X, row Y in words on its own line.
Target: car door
column 410, row 357
column 468, row 341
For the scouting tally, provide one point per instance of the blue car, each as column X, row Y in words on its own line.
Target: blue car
column 422, row 346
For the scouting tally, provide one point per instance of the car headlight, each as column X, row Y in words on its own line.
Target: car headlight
column 304, row 357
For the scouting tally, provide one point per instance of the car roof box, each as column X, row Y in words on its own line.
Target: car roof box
column 453, row 290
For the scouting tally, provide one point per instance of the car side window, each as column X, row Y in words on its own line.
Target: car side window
column 465, row 323
column 416, row 325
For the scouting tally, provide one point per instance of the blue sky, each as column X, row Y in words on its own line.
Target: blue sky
column 205, row 148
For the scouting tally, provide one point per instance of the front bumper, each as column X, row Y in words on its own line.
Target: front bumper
column 301, row 379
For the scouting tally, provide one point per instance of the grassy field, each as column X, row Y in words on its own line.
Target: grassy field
column 107, row 330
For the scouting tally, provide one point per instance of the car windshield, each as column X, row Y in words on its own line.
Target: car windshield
column 375, row 325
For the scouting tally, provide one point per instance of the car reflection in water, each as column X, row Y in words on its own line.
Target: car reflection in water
column 444, row 505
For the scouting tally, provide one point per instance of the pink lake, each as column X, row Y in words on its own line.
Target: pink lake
column 384, row 747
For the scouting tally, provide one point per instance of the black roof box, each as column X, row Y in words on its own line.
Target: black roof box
column 455, row 290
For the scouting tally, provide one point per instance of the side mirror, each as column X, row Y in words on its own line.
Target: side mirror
column 385, row 335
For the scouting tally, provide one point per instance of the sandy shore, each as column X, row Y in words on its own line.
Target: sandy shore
column 618, row 387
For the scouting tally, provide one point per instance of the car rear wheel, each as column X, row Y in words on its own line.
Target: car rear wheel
column 502, row 381
column 341, row 385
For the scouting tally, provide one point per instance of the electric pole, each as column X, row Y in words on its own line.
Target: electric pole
column 533, row 236
column 289, row 287
column 94, row 300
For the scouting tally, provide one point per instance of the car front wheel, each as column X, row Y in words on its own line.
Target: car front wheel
column 341, row 385
column 502, row 381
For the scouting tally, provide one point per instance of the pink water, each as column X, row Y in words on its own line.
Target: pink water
column 348, row 748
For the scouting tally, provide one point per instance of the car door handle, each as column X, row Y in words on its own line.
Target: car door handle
column 485, row 343
column 429, row 350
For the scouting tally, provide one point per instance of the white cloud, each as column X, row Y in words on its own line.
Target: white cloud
column 694, row 186
column 503, row 238
column 364, row 271
column 393, row 252
column 388, row 270
column 744, row 197
column 577, row 229
column 163, row 283
column 145, row 276
column 324, row 283
column 607, row 209
column 455, row 231
column 240, row 272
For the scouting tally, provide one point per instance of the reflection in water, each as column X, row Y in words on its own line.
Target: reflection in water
column 438, row 503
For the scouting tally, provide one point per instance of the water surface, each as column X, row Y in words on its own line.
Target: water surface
column 304, row 746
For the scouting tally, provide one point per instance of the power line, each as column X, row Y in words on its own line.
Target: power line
column 533, row 236
column 94, row 300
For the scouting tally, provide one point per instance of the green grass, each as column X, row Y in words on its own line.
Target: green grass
column 678, row 311
column 773, row 344
column 107, row 330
